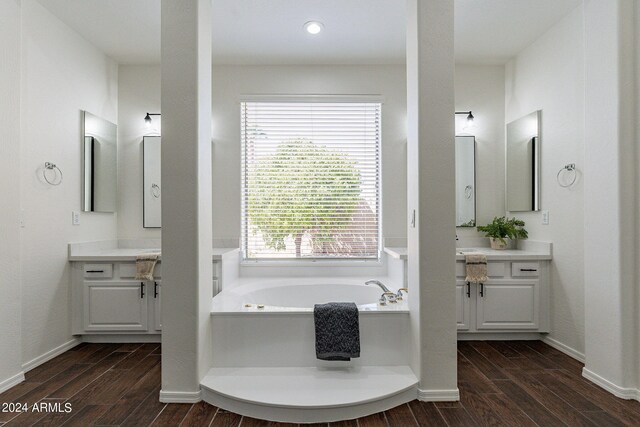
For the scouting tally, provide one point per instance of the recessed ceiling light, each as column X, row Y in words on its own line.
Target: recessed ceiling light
column 313, row 27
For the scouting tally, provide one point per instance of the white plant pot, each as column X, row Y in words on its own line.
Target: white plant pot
column 497, row 244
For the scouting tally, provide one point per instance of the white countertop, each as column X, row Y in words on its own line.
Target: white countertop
column 505, row 254
column 129, row 254
column 530, row 250
column 397, row 253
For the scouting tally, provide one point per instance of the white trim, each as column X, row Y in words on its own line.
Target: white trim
column 122, row 338
column 180, row 396
column 304, row 415
column 312, row 97
column 616, row 390
column 33, row 363
column 572, row 352
column 452, row 395
column 498, row 336
column 11, row 381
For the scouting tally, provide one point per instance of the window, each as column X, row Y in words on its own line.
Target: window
column 310, row 180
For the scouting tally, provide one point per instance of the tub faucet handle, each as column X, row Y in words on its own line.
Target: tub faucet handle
column 399, row 295
column 391, row 297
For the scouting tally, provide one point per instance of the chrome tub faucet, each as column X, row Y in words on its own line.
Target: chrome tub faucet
column 387, row 295
column 379, row 283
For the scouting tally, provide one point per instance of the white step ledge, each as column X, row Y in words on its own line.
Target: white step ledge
column 309, row 394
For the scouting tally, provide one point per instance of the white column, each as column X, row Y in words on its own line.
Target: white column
column 610, row 176
column 186, row 198
column 430, row 186
column 10, row 346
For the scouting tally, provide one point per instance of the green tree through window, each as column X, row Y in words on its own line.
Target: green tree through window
column 302, row 188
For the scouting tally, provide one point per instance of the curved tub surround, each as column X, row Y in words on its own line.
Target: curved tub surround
column 258, row 350
column 299, row 294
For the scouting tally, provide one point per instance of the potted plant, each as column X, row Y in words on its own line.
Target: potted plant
column 502, row 228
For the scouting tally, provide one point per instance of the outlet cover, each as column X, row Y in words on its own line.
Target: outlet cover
column 75, row 218
column 545, row 217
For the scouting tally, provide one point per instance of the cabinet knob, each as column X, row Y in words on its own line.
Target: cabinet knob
column 482, row 289
column 141, row 289
column 155, row 289
column 468, row 289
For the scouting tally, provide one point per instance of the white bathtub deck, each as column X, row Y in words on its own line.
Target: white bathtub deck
column 309, row 394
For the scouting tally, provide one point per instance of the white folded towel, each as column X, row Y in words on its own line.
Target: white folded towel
column 476, row 267
column 145, row 264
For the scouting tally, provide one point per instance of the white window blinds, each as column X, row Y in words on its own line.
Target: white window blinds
column 310, row 180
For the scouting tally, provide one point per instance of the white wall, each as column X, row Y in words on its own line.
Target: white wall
column 549, row 76
column 430, row 194
column 62, row 75
column 138, row 94
column 480, row 89
column 10, row 350
column 610, row 176
column 232, row 81
column 637, row 136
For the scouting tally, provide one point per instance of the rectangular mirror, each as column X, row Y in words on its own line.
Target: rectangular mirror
column 152, row 196
column 465, row 181
column 100, row 164
column 523, row 163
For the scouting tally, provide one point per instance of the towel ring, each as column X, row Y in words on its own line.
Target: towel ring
column 468, row 192
column 571, row 167
column 155, row 190
column 57, row 179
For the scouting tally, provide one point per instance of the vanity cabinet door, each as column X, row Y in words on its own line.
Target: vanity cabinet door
column 508, row 305
column 157, row 308
column 463, row 299
column 115, row 306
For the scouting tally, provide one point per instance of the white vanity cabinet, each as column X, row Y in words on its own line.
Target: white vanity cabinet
column 514, row 299
column 157, row 308
column 114, row 306
column 108, row 300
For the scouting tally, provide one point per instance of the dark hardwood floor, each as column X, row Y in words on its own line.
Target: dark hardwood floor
column 502, row 383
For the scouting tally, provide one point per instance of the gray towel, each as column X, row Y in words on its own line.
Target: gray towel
column 337, row 331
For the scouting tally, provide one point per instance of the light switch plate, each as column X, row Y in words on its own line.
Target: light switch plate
column 75, row 218
column 545, row 217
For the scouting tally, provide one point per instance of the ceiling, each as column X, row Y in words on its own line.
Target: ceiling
column 270, row 31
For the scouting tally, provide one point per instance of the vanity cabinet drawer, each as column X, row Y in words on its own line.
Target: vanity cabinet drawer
column 98, row 271
column 128, row 270
column 494, row 269
column 525, row 269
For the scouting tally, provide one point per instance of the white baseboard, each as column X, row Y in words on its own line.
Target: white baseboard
column 572, row 352
column 616, row 390
column 439, row 395
column 122, row 338
column 27, row 366
column 180, row 396
column 11, row 381
column 498, row 336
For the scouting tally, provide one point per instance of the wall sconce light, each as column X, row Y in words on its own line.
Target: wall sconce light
column 469, row 116
column 147, row 118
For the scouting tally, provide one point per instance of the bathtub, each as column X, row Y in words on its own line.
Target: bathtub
column 301, row 294
column 263, row 351
column 269, row 322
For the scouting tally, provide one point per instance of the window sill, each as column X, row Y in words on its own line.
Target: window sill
column 312, row 263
